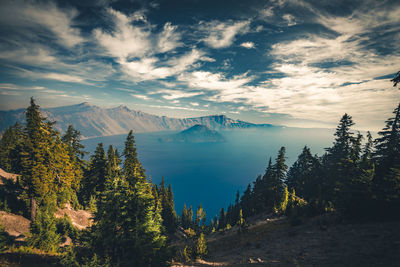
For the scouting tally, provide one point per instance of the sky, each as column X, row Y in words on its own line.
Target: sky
column 290, row 62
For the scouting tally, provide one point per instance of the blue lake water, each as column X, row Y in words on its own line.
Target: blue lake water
column 211, row 173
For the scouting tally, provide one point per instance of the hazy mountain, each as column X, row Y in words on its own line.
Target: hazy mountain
column 195, row 134
column 93, row 121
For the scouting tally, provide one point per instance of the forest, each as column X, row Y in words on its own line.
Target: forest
column 134, row 222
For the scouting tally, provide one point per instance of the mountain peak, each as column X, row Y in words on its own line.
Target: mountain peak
column 85, row 104
column 123, row 107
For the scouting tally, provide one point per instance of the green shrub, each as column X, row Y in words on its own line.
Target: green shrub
column 201, row 247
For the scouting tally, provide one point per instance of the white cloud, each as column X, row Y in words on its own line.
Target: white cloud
column 316, row 84
column 289, row 19
column 144, row 97
column 247, row 45
column 177, row 94
column 136, row 48
column 168, row 39
column 35, row 20
column 62, row 77
column 267, row 12
column 60, row 22
column 177, row 107
column 9, row 93
column 11, row 86
column 126, row 40
column 222, row 34
column 32, row 54
column 146, row 68
column 214, row 81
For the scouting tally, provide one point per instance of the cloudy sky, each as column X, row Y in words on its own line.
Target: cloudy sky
column 292, row 62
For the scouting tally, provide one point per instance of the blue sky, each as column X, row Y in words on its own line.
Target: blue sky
column 292, row 62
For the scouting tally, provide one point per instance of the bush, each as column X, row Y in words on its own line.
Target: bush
column 201, row 247
column 4, row 238
column 65, row 227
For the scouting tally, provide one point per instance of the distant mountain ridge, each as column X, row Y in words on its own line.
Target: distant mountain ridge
column 94, row 121
column 195, row 134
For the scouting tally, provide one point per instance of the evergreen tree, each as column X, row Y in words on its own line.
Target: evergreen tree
column 222, row 219
column 168, row 213
column 367, row 154
column 284, row 200
column 95, row 176
column 132, row 169
column 186, row 218
column 387, row 179
column 258, row 195
column 241, row 222
column 47, row 169
column 200, row 217
column 274, row 182
column 396, row 79
column 113, row 163
column 72, row 138
column 388, row 145
column 11, row 145
column 302, row 175
column 127, row 228
column 43, row 231
column 341, row 167
column 246, row 202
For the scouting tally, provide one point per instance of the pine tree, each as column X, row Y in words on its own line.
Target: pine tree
column 396, row 79
column 132, row 169
column 200, row 217
column 258, row 195
column 11, row 145
column 72, row 138
column 128, row 226
column 367, row 154
column 168, row 213
column 241, row 222
column 43, row 231
column 387, row 178
column 95, row 177
column 274, row 182
column 113, row 163
column 246, row 202
column 186, row 219
column 222, row 219
column 47, row 170
column 284, row 200
column 302, row 175
column 341, row 166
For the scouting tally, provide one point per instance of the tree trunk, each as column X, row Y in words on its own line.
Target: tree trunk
column 33, row 209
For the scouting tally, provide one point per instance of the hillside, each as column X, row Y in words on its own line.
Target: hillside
column 320, row 241
column 94, row 121
column 195, row 134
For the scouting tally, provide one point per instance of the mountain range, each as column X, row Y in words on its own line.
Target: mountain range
column 94, row 121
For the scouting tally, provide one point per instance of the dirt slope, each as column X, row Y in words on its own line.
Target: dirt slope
column 79, row 218
column 15, row 225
